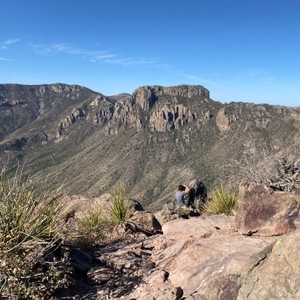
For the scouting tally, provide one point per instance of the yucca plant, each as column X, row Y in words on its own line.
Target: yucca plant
column 221, row 201
column 120, row 207
column 25, row 216
column 29, row 231
column 93, row 224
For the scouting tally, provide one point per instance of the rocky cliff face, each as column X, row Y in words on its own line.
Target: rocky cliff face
column 151, row 140
column 170, row 113
column 143, row 109
column 20, row 105
column 159, row 108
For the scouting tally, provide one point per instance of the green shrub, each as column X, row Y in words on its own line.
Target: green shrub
column 26, row 216
column 94, row 224
column 25, row 273
column 221, row 201
column 29, row 231
column 120, row 208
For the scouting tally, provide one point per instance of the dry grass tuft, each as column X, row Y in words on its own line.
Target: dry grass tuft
column 221, row 201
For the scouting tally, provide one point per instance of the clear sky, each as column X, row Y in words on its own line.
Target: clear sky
column 241, row 50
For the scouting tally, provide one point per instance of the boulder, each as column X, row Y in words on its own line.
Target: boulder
column 197, row 195
column 223, row 121
column 172, row 211
column 203, row 260
column 273, row 273
column 135, row 205
column 264, row 212
column 146, row 222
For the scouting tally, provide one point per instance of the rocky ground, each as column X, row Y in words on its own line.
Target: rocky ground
column 253, row 255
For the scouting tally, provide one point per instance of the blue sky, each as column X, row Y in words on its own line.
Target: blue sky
column 241, row 50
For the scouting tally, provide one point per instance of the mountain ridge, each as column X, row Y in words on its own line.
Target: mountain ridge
column 150, row 140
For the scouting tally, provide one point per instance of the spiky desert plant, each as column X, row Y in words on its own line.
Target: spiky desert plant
column 119, row 207
column 25, row 215
column 93, row 224
column 221, row 201
column 29, row 230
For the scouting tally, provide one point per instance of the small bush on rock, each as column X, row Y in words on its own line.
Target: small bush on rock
column 221, row 201
column 97, row 222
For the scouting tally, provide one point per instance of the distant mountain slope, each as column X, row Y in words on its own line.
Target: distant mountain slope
column 151, row 140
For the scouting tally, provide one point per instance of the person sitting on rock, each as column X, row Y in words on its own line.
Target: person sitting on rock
column 181, row 193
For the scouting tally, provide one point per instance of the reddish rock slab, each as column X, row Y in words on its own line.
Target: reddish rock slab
column 264, row 212
column 202, row 260
column 274, row 273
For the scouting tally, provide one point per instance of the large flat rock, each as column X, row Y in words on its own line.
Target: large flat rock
column 197, row 259
column 274, row 273
column 264, row 212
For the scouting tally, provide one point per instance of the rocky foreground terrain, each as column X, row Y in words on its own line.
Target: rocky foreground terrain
column 252, row 255
column 151, row 140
